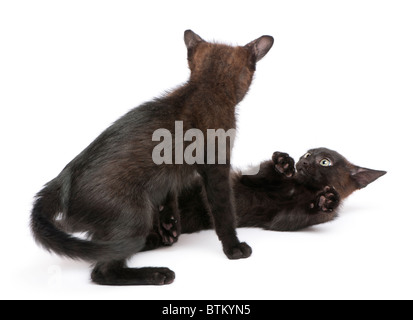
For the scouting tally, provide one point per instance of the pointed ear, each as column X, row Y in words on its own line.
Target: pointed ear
column 192, row 39
column 364, row 176
column 260, row 47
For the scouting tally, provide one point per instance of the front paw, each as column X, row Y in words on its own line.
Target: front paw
column 239, row 251
column 327, row 200
column 284, row 164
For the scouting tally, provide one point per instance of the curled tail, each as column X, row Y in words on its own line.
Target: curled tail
column 47, row 205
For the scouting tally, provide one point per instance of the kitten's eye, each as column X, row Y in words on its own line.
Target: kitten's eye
column 307, row 155
column 326, row 163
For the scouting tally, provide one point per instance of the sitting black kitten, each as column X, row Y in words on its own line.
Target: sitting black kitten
column 281, row 197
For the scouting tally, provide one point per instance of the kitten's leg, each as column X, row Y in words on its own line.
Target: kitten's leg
column 327, row 200
column 281, row 167
column 169, row 220
column 321, row 210
column 284, row 164
column 116, row 273
column 221, row 200
column 153, row 241
column 126, row 229
column 324, row 208
column 298, row 219
column 166, row 226
column 154, row 238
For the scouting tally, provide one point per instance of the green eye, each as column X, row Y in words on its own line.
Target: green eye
column 307, row 155
column 325, row 163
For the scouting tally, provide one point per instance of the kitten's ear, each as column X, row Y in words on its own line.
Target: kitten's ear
column 192, row 39
column 363, row 176
column 260, row 47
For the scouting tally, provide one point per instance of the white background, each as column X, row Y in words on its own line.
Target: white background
column 340, row 75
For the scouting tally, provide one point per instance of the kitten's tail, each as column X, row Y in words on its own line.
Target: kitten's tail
column 47, row 205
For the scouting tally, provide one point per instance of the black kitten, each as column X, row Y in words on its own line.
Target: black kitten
column 280, row 197
column 113, row 189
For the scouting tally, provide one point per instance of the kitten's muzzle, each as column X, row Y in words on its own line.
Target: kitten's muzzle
column 302, row 171
column 302, row 167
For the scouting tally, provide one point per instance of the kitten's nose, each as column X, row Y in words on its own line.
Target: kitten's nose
column 305, row 164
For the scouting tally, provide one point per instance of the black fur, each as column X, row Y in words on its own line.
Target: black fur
column 113, row 189
column 279, row 197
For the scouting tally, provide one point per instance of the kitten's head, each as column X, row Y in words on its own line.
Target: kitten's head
column 323, row 167
column 221, row 65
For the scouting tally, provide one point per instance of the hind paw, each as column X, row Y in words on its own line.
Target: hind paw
column 168, row 228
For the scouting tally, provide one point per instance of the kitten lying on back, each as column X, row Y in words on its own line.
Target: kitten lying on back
column 281, row 197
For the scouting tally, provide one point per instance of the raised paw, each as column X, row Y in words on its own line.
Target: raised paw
column 284, row 164
column 240, row 251
column 327, row 200
column 168, row 227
